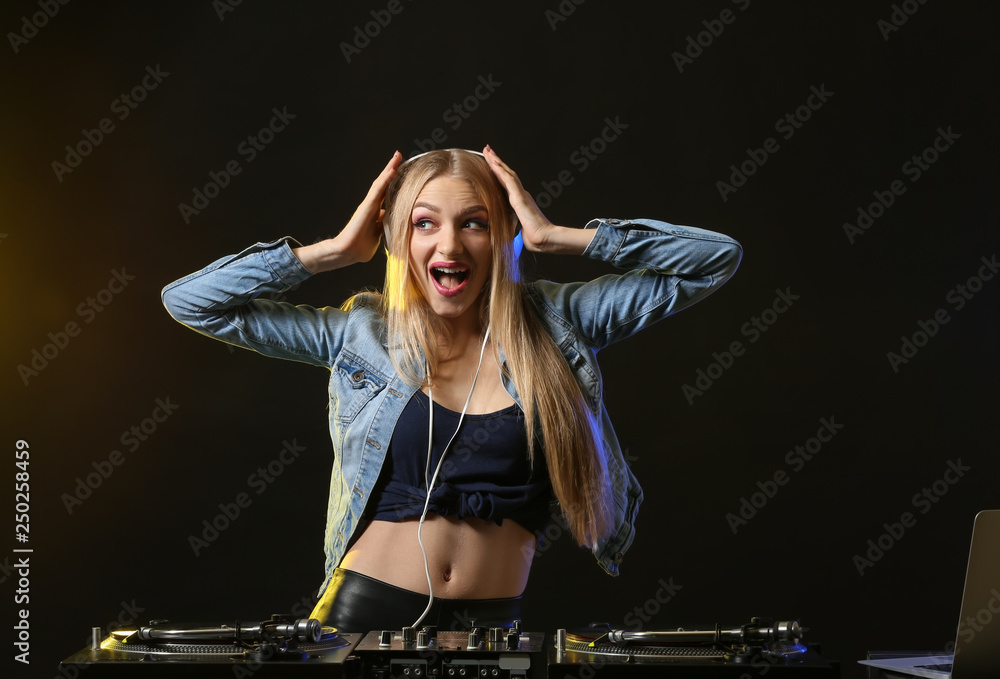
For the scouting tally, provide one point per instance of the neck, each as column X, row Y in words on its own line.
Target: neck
column 462, row 332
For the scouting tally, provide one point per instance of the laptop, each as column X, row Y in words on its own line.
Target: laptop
column 977, row 648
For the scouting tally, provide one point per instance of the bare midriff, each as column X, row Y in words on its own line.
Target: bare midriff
column 467, row 559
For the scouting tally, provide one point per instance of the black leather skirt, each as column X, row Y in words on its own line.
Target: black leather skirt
column 357, row 603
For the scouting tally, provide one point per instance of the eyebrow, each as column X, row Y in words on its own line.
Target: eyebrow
column 472, row 209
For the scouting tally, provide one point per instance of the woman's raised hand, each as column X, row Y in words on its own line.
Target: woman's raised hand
column 358, row 240
column 364, row 230
column 539, row 234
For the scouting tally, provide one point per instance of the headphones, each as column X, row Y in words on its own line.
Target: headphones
column 518, row 239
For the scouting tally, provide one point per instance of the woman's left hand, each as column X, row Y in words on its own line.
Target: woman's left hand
column 534, row 224
column 539, row 234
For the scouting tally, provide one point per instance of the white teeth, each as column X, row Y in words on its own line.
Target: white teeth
column 444, row 270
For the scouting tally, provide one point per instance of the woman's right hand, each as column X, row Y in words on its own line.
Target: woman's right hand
column 358, row 241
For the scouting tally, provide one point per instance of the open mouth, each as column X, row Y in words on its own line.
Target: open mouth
column 449, row 280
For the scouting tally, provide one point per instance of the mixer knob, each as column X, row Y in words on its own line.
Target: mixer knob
column 513, row 639
column 385, row 638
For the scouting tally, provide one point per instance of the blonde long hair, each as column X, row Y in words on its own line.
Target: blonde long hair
column 555, row 409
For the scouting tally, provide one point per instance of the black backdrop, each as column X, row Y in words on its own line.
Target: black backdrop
column 686, row 95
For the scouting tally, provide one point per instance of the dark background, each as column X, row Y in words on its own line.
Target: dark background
column 555, row 87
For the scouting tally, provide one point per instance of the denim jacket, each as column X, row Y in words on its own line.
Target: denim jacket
column 670, row 268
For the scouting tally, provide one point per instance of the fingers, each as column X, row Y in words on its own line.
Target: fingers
column 498, row 166
column 381, row 182
column 507, row 176
column 393, row 163
column 369, row 212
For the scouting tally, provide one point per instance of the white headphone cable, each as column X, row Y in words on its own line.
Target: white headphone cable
column 430, row 484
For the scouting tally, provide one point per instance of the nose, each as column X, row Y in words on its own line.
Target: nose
column 450, row 241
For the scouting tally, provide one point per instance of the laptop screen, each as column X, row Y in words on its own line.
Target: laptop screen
column 977, row 647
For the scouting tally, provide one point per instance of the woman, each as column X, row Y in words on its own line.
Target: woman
column 459, row 378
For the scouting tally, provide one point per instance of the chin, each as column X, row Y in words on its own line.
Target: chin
column 453, row 309
column 450, row 311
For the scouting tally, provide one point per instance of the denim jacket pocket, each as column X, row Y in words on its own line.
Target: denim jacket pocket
column 358, row 383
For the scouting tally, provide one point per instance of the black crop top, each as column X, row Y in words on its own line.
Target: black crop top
column 486, row 473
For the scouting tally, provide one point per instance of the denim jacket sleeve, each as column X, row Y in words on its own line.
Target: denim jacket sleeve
column 670, row 268
column 224, row 300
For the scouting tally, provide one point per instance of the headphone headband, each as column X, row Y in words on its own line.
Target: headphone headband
column 419, row 155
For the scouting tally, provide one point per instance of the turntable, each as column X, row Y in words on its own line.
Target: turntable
column 273, row 648
column 740, row 652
